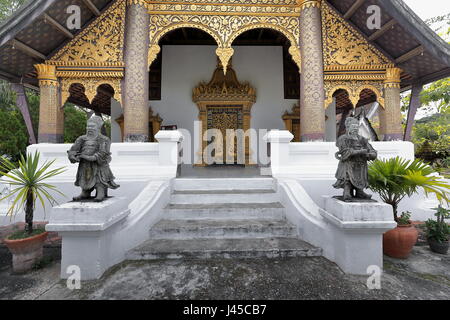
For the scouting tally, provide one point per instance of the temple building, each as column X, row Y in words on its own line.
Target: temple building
column 138, row 59
column 292, row 70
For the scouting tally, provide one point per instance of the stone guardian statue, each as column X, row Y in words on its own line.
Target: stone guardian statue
column 354, row 153
column 92, row 152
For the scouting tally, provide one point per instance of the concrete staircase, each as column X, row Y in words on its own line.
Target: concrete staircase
column 223, row 218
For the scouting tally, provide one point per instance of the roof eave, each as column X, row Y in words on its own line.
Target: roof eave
column 408, row 20
column 21, row 19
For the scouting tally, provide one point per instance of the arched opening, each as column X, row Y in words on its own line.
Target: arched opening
column 367, row 111
column 78, row 108
column 182, row 36
column 263, row 56
column 101, row 104
column 77, row 96
column 344, row 109
column 267, row 37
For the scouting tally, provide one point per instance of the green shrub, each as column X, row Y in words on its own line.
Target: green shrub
column 438, row 229
column 397, row 178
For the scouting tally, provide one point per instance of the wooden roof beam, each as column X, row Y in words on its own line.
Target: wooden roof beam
column 350, row 12
column 27, row 50
column 92, row 7
column 30, row 86
column 385, row 28
column 8, row 75
column 55, row 24
column 409, row 55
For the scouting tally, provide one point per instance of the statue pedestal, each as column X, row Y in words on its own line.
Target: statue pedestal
column 358, row 229
column 86, row 229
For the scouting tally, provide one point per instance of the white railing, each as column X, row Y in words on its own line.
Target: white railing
column 133, row 165
column 316, row 160
column 314, row 165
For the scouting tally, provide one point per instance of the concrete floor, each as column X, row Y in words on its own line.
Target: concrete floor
column 424, row 275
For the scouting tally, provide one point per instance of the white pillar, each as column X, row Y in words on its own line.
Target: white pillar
column 116, row 112
column 279, row 148
column 168, row 147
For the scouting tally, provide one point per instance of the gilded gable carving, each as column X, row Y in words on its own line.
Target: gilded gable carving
column 343, row 45
column 230, row 2
column 101, row 43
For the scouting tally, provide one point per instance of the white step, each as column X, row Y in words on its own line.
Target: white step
column 223, row 248
column 224, row 184
column 216, row 229
column 225, row 211
column 224, row 196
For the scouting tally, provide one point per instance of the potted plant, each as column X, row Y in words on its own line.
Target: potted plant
column 398, row 243
column 27, row 185
column 438, row 232
column 394, row 179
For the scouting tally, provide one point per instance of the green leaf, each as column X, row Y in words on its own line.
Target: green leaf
column 29, row 176
column 397, row 178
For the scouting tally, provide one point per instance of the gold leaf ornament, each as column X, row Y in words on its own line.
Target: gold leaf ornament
column 225, row 55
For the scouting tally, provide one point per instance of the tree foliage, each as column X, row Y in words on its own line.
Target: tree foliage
column 431, row 136
column 13, row 132
column 8, row 7
column 74, row 123
column 439, row 93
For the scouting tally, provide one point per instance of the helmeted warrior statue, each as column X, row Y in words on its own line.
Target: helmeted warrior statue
column 92, row 151
column 354, row 153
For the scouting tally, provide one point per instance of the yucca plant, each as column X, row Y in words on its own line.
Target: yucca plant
column 27, row 182
column 394, row 179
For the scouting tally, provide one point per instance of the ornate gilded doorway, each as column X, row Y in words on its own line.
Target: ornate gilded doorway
column 226, row 119
column 225, row 113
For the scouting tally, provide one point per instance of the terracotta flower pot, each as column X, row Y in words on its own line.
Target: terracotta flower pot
column 26, row 252
column 399, row 242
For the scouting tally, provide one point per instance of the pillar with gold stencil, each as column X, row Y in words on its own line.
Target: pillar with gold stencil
column 51, row 113
column 390, row 116
column 136, row 82
column 312, row 94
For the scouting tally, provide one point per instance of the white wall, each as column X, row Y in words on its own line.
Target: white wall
column 184, row 67
column 116, row 112
column 330, row 123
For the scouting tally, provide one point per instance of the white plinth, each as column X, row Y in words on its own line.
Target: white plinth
column 357, row 233
column 87, row 230
column 87, row 216
column 376, row 212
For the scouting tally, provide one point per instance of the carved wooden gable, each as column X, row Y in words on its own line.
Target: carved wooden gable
column 101, row 43
column 344, row 45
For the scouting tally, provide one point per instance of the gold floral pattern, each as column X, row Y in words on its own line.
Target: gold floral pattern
column 101, row 42
column 343, row 45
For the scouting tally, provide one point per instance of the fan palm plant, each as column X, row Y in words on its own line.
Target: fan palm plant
column 396, row 178
column 28, row 184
